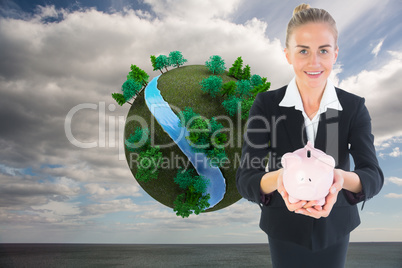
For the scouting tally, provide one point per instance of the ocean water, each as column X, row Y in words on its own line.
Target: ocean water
column 378, row 255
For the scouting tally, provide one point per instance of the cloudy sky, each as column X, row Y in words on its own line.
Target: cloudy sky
column 59, row 56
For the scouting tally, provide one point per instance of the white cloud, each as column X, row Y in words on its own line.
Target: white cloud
column 112, row 190
column 381, row 89
column 24, row 219
column 242, row 213
column 58, row 208
column 110, row 207
column 396, row 152
column 47, row 69
column 23, row 191
column 384, row 145
column 393, row 196
column 395, row 180
column 46, row 12
column 377, row 48
column 389, row 147
column 193, row 10
column 107, row 168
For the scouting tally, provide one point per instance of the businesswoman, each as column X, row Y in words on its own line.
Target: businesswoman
column 309, row 108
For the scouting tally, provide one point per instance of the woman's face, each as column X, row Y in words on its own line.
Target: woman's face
column 312, row 51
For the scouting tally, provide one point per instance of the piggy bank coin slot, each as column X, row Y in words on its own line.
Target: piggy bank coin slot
column 308, row 154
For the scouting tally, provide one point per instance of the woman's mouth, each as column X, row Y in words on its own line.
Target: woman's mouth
column 314, row 74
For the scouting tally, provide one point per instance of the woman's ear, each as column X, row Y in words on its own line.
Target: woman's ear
column 287, row 54
column 336, row 54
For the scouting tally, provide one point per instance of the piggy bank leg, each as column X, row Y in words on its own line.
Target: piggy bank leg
column 293, row 200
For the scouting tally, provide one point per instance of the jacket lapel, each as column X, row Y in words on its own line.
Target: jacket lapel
column 294, row 125
column 327, row 139
column 321, row 137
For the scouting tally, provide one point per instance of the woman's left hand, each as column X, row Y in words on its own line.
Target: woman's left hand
column 318, row 211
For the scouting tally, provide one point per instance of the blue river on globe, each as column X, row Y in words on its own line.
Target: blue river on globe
column 169, row 121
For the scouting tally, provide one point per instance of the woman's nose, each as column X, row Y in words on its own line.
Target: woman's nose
column 314, row 60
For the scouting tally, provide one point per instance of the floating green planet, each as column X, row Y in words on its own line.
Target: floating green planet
column 181, row 88
column 222, row 110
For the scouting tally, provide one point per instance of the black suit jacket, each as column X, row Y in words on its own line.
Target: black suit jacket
column 273, row 131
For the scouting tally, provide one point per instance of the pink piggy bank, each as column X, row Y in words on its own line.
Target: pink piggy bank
column 308, row 174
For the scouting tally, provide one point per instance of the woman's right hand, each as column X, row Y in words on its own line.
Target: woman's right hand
column 292, row 206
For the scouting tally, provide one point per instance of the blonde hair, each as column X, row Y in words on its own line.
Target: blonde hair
column 304, row 14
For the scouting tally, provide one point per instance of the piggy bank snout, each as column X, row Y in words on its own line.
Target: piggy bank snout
column 307, row 173
column 305, row 180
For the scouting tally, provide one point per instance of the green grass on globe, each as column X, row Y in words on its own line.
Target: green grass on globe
column 180, row 88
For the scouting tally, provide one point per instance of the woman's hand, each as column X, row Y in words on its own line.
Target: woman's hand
column 318, row 211
column 293, row 207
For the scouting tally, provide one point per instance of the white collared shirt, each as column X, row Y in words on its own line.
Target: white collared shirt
column 329, row 99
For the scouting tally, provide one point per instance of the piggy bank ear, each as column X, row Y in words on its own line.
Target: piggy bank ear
column 326, row 161
column 288, row 160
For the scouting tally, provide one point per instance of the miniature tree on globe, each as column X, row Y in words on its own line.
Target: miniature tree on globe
column 243, row 89
column 246, row 106
column 234, row 105
column 255, row 80
column 236, row 70
column 153, row 62
column 161, row 62
column 211, row 85
column 131, row 88
column 149, row 162
column 176, row 59
column 205, row 135
column 119, row 98
column 228, row 88
column 264, row 86
column 139, row 140
column 217, row 138
column 200, row 184
column 138, row 74
column 202, row 204
column 216, row 64
column 246, row 73
column 231, row 105
column 189, row 177
column 149, row 158
column 181, row 207
column 137, row 79
column 194, row 200
column 184, row 178
column 198, row 137
column 185, row 116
